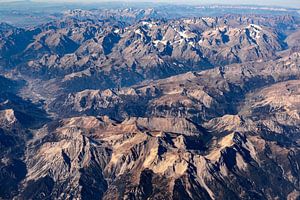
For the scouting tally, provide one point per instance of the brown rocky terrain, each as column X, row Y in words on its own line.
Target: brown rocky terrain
column 94, row 107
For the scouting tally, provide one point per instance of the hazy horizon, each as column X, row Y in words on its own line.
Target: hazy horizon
column 281, row 3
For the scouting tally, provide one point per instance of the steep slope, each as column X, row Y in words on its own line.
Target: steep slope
column 248, row 150
column 84, row 53
column 133, row 160
column 13, row 169
column 138, row 107
column 198, row 95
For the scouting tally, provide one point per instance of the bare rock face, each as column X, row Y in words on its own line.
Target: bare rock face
column 138, row 107
column 150, row 158
column 7, row 118
column 87, row 54
column 280, row 102
column 12, row 142
column 198, row 96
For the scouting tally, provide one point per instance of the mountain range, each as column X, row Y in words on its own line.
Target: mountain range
column 130, row 104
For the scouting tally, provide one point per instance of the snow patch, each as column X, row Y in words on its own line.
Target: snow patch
column 255, row 30
column 208, row 19
column 256, row 27
column 138, row 31
column 192, row 44
column 148, row 24
column 186, row 34
column 117, row 30
column 164, row 42
column 183, row 34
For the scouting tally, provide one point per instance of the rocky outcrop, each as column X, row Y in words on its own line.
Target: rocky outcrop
column 149, row 158
column 198, row 96
column 135, row 108
column 79, row 51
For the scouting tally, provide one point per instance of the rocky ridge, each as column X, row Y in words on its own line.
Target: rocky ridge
column 200, row 108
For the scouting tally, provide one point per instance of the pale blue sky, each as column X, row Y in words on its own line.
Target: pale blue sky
column 284, row 3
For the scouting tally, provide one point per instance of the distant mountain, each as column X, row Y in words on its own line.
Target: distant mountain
column 32, row 13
